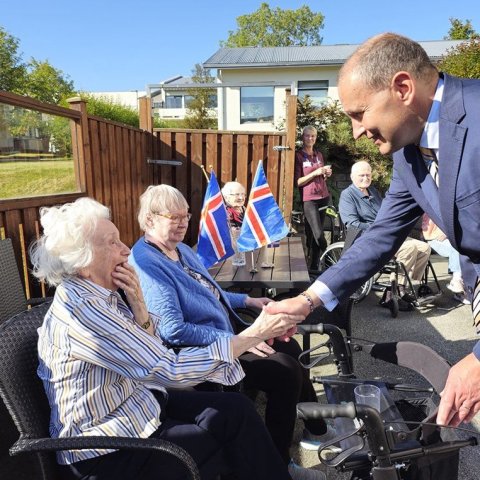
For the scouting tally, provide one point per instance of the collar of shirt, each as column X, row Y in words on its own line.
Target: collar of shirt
column 429, row 137
column 93, row 288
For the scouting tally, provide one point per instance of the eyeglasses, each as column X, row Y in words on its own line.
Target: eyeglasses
column 236, row 195
column 175, row 218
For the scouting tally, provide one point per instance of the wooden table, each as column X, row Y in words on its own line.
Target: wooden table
column 289, row 268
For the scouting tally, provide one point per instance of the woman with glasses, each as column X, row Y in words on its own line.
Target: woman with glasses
column 195, row 311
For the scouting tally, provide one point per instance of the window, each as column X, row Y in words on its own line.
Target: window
column 188, row 100
column 35, row 154
column 173, row 101
column 317, row 90
column 256, row 104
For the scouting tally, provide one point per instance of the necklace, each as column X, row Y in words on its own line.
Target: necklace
column 167, row 253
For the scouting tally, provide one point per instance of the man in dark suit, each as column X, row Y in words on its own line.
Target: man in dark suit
column 395, row 96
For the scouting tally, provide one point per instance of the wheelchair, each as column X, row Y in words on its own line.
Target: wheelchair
column 401, row 441
column 422, row 295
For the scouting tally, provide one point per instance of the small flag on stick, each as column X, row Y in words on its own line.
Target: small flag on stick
column 263, row 222
column 214, row 242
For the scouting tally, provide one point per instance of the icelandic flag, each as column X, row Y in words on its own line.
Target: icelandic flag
column 214, row 242
column 263, row 222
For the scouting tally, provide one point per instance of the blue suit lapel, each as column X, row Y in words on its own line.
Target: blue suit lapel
column 452, row 137
column 423, row 189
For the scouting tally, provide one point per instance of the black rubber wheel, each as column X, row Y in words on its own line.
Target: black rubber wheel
column 363, row 291
column 331, row 255
column 394, row 308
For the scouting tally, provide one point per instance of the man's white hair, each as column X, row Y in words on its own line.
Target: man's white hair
column 65, row 246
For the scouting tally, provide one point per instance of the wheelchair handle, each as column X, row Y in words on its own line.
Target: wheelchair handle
column 338, row 343
column 313, row 410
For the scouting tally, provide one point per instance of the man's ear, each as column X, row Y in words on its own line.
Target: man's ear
column 403, row 87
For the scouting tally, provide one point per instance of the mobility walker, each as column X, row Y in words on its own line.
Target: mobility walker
column 399, row 442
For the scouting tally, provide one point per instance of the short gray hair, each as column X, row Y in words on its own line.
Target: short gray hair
column 309, row 128
column 159, row 199
column 65, row 246
column 377, row 60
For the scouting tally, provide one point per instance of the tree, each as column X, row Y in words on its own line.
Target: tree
column 200, row 108
column 276, row 28
column 46, row 83
column 12, row 69
column 461, row 30
column 463, row 60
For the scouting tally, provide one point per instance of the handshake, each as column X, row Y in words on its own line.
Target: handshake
column 280, row 319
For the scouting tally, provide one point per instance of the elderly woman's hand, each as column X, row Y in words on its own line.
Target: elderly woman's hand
column 125, row 277
column 262, row 350
column 268, row 326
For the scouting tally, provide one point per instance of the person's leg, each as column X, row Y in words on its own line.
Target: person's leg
column 406, row 255
column 315, row 221
column 280, row 378
column 230, row 420
column 307, row 392
column 216, row 429
column 423, row 251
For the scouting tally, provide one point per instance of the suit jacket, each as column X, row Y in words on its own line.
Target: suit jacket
column 454, row 206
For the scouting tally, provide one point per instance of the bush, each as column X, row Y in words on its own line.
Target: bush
column 106, row 108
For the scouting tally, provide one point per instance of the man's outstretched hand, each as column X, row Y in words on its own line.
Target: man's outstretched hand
column 460, row 400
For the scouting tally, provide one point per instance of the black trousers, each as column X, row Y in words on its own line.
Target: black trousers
column 315, row 220
column 217, row 429
column 285, row 383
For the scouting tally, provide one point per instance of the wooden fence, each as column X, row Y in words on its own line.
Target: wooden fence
column 115, row 163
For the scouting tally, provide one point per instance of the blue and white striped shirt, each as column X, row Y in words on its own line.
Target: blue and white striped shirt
column 98, row 366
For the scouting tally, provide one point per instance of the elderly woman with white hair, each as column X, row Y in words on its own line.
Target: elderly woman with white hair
column 234, row 195
column 106, row 372
column 196, row 311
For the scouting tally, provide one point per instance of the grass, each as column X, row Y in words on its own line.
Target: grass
column 27, row 179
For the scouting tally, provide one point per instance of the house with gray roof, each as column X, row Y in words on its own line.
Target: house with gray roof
column 252, row 81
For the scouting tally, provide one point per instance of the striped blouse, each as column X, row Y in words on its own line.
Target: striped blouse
column 98, row 367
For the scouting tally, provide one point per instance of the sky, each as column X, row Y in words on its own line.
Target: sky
column 124, row 45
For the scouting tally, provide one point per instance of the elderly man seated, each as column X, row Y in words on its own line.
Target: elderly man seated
column 106, row 372
column 359, row 205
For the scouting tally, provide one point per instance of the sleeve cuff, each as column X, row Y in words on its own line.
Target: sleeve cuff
column 328, row 299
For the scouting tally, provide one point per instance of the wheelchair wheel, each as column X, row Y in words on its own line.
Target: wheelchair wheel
column 331, row 256
column 394, row 308
column 363, row 291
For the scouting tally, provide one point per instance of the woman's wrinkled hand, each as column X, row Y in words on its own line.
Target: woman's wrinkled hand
column 262, row 350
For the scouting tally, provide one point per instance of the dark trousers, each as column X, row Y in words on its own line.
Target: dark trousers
column 315, row 220
column 216, row 429
column 285, row 383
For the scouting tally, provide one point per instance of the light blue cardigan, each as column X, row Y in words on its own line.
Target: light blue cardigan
column 190, row 313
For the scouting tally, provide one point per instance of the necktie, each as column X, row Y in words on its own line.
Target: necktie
column 476, row 305
column 431, row 162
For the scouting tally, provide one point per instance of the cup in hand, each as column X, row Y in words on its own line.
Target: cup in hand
column 369, row 395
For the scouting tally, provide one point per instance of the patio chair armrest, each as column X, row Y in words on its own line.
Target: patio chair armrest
column 27, row 445
column 38, row 300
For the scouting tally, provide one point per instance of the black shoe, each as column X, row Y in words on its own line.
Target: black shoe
column 405, row 306
column 406, row 297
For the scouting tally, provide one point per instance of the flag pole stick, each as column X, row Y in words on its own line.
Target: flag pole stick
column 205, row 173
column 254, row 265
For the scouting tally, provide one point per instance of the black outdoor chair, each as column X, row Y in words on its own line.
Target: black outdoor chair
column 12, row 295
column 23, row 394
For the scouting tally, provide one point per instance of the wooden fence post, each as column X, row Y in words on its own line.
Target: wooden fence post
column 289, row 157
column 81, row 147
column 145, row 113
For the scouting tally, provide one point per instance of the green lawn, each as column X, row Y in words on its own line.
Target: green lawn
column 25, row 179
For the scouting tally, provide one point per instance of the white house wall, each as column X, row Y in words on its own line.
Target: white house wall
column 281, row 78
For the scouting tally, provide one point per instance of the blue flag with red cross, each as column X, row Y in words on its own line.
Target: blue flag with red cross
column 263, row 221
column 214, row 241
